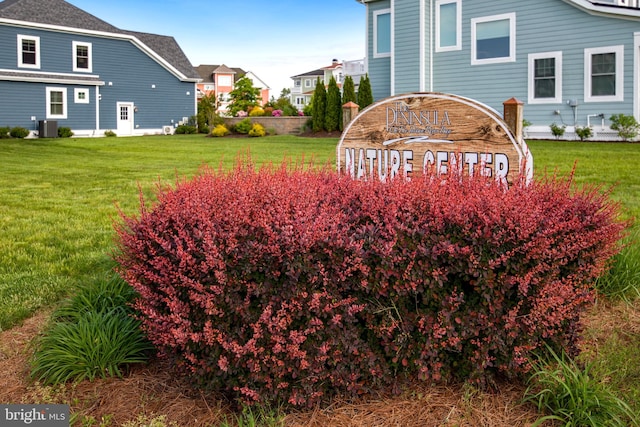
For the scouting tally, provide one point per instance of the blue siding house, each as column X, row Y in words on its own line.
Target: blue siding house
column 572, row 62
column 62, row 65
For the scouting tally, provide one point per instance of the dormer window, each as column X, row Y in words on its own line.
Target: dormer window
column 28, row 51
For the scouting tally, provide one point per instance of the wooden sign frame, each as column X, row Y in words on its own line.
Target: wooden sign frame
column 431, row 132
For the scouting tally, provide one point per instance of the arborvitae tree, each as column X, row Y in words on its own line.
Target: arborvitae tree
column 207, row 107
column 365, row 95
column 348, row 91
column 319, row 106
column 333, row 115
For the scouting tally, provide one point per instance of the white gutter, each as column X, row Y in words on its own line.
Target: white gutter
column 602, row 10
column 392, row 58
column 431, row 45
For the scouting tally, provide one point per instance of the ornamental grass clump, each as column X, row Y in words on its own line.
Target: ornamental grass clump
column 93, row 334
column 292, row 285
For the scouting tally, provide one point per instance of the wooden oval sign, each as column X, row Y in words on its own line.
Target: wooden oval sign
column 439, row 133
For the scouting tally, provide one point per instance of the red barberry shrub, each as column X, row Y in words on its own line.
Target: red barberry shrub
column 294, row 285
column 250, row 281
column 480, row 277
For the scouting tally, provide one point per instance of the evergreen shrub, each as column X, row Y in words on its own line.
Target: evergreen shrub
column 65, row 132
column 294, row 285
column 257, row 130
column 4, row 132
column 256, row 112
column 243, row 126
column 18, row 132
column 186, row 130
column 220, row 130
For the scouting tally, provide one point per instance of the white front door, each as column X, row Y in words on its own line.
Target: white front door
column 125, row 118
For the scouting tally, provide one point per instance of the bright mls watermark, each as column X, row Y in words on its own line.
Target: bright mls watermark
column 34, row 415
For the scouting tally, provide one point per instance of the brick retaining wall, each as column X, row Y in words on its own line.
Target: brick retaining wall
column 281, row 125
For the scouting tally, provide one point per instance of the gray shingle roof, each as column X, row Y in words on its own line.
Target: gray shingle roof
column 61, row 13
column 318, row 72
column 206, row 72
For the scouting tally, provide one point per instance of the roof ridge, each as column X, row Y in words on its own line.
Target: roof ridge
column 64, row 14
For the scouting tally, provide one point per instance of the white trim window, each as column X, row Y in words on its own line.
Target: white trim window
column 448, row 25
column 545, row 78
column 56, row 103
column 493, row 39
column 28, row 51
column 81, row 95
column 224, row 80
column 82, row 57
column 604, row 74
column 382, row 33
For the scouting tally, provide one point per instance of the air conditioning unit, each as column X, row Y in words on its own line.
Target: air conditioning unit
column 167, row 130
column 48, row 129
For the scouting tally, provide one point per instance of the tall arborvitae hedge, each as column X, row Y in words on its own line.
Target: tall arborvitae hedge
column 365, row 94
column 319, row 106
column 333, row 114
column 348, row 91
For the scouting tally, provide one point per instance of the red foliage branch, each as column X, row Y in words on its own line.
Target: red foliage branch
column 295, row 285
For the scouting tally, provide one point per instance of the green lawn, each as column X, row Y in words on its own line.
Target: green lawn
column 612, row 165
column 59, row 197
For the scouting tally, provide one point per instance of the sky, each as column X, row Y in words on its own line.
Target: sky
column 275, row 39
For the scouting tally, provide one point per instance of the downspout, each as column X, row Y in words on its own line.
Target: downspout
column 430, row 45
column 636, row 69
column 392, row 58
column 97, row 110
column 422, row 47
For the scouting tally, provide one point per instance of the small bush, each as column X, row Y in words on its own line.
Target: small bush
column 4, row 132
column 220, row 130
column 186, row 129
column 204, row 129
column 584, row 132
column 257, row 130
column 292, row 286
column 109, row 133
column 557, row 130
column 626, row 125
column 243, row 126
column 256, row 112
column 19, row 132
column 65, row 132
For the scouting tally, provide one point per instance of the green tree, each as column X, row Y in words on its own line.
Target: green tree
column 349, row 91
column 319, row 106
column 207, row 107
column 243, row 96
column 365, row 95
column 285, row 93
column 284, row 103
column 333, row 114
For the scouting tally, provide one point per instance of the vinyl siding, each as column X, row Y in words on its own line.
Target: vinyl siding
column 541, row 26
column 407, row 46
column 379, row 69
column 130, row 71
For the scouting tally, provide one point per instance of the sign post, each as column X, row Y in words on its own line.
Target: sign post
column 417, row 133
